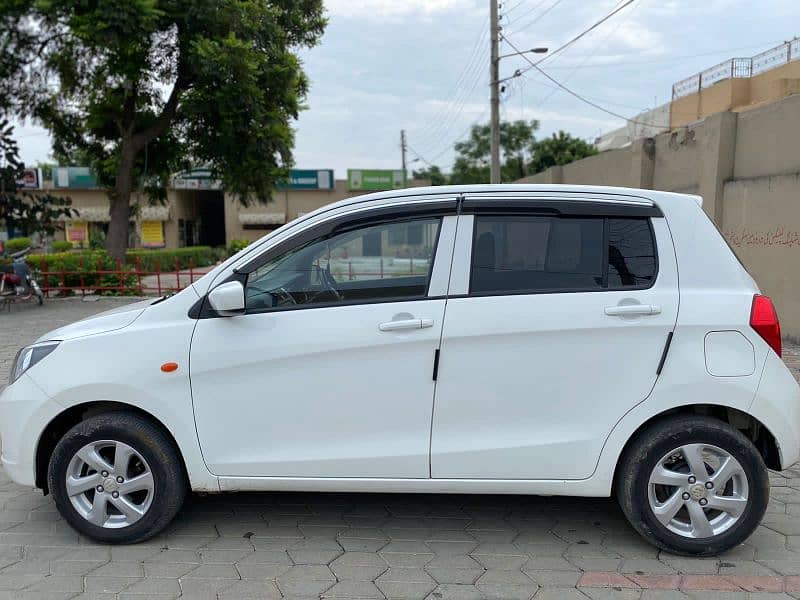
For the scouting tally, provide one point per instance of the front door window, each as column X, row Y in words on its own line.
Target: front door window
column 379, row 263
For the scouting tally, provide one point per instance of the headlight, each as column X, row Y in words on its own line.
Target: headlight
column 29, row 356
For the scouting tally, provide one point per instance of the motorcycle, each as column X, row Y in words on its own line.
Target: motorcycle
column 16, row 282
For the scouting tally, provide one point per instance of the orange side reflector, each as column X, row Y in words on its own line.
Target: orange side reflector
column 169, row 367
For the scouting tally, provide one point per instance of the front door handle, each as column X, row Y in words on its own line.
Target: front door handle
column 401, row 325
column 406, row 324
column 628, row 310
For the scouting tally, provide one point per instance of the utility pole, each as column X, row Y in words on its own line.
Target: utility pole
column 403, row 148
column 494, row 77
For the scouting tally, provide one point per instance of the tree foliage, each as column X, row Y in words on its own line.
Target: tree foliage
column 520, row 152
column 559, row 149
column 433, row 173
column 473, row 155
column 23, row 211
column 138, row 89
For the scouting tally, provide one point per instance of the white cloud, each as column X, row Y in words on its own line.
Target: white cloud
column 376, row 9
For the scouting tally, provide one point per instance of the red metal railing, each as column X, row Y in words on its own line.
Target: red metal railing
column 132, row 279
column 120, row 278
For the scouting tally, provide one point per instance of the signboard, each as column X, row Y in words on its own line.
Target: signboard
column 30, row 179
column 308, row 179
column 153, row 234
column 374, row 180
column 74, row 177
column 77, row 232
column 196, row 179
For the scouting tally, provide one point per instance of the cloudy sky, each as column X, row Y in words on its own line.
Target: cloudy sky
column 422, row 66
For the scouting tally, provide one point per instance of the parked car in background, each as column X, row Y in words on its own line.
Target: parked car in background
column 555, row 340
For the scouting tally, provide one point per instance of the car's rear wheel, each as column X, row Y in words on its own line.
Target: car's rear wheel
column 693, row 485
column 117, row 477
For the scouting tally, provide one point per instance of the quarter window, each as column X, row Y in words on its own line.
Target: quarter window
column 519, row 254
column 631, row 254
column 389, row 261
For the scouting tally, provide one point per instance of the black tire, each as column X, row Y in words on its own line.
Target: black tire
column 153, row 444
column 647, row 449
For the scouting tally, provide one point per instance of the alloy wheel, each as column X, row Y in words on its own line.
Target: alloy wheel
column 698, row 491
column 110, row 484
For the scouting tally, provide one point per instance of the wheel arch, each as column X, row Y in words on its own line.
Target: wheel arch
column 750, row 426
column 68, row 418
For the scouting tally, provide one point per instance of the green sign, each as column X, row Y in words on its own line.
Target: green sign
column 307, row 179
column 374, row 180
column 74, row 177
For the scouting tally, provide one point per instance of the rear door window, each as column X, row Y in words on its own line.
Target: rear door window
column 544, row 254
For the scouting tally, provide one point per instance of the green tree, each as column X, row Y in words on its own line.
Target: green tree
column 473, row 154
column 140, row 88
column 559, row 149
column 21, row 211
column 433, row 172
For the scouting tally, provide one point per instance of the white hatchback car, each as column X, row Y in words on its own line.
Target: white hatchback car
column 554, row 340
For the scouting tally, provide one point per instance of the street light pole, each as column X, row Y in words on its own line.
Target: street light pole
column 403, row 147
column 494, row 83
column 494, row 76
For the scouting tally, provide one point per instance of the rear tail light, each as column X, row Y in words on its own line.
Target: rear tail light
column 764, row 319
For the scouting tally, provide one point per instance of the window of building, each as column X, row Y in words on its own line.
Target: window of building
column 369, row 264
column 518, row 254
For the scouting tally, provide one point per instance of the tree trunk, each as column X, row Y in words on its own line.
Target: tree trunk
column 120, row 199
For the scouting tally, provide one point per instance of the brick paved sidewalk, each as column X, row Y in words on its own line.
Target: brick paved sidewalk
column 440, row 547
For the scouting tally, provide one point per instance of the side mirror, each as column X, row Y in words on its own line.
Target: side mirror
column 227, row 299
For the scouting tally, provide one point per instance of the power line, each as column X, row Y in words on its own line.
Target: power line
column 586, row 31
column 419, row 156
column 513, row 8
column 460, row 137
column 576, row 68
column 584, row 99
column 538, row 17
column 570, row 42
column 467, row 72
column 526, row 13
column 442, row 128
column 671, row 59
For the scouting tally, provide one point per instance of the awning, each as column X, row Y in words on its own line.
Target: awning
column 100, row 214
column 154, row 213
column 262, row 218
column 93, row 214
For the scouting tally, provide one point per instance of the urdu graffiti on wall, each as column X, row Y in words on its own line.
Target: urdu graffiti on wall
column 780, row 236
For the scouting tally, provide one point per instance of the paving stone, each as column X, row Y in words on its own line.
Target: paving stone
column 353, row 589
column 155, row 586
column 559, row 579
column 247, row 590
column 261, row 570
column 119, row 569
column 107, row 584
column 202, row 589
column 212, row 572
column 72, row 584
column 560, row 594
column 455, row 592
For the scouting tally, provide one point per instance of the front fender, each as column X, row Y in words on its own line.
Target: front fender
column 124, row 366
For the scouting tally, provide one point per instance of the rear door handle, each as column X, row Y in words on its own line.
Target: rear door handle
column 406, row 324
column 627, row 310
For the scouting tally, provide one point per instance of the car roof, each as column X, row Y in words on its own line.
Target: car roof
column 513, row 190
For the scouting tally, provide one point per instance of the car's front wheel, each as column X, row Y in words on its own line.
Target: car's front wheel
column 117, row 478
column 693, row 485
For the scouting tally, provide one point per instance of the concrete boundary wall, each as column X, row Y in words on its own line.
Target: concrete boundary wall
column 746, row 165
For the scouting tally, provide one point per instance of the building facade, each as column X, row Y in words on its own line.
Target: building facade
column 198, row 211
column 736, row 85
